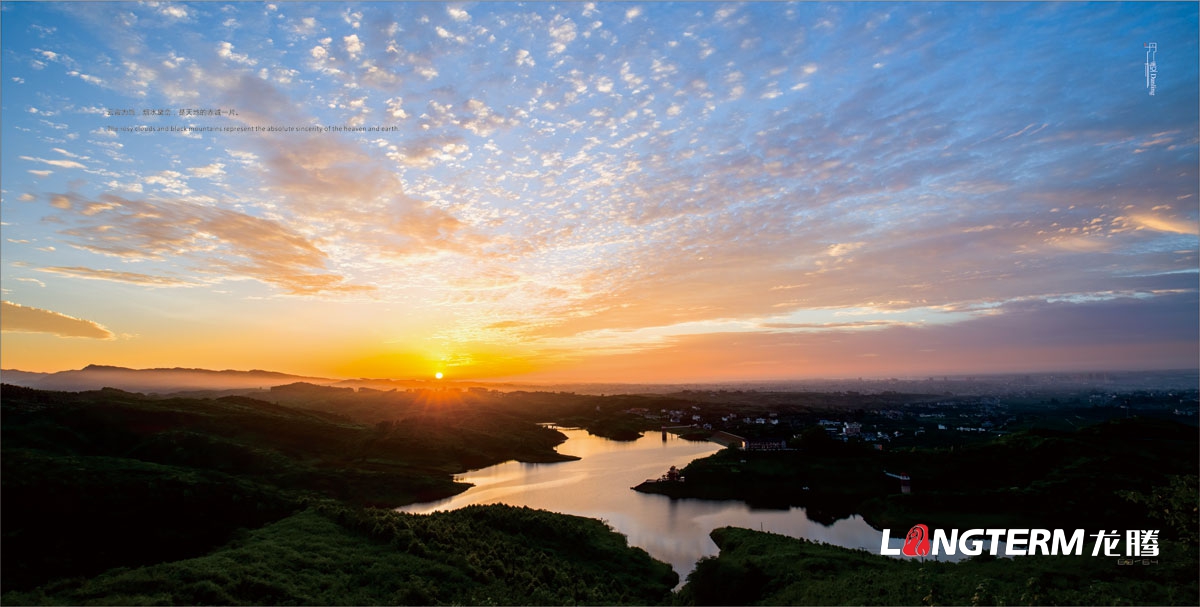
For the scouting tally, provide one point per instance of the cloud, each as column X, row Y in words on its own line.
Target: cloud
column 562, row 32
column 826, row 326
column 210, row 171
column 628, row 186
column 225, row 51
column 306, row 26
column 222, row 243
column 16, row 318
column 243, row 157
column 330, row 185
column 173, row 11
column 354, row 46
column 170, row 181
column 394, row 108
column 65, row 164
column 1019, row 338
column 116, row 276
column 844, row 248
column 1169, row 225
column 335, row 184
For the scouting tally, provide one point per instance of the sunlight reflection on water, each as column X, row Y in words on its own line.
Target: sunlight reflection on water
column 599, row 486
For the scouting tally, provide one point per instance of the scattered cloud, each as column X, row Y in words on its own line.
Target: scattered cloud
column 562, row 32
column 172, row 11
column 306, row 26
column 354, row 46
column 225, row 51
column 210, row 171
column 63, row 164
column 620, row 170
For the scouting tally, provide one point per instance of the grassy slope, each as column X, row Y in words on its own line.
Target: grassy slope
column 103, row 479
column 337, row 556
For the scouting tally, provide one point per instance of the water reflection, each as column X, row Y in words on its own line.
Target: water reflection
column 599, row 486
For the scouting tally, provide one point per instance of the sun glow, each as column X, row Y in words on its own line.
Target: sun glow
column 517, row 252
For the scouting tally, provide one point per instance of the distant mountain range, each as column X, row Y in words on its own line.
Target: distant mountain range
column 168, row 381
column 94, row 377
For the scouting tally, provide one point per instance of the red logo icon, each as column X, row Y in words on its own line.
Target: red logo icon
column 916, row 543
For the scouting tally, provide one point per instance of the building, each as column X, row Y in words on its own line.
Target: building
column 766, row 445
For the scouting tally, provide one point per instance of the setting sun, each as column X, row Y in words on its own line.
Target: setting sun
column 720, row 200
column 437, row 375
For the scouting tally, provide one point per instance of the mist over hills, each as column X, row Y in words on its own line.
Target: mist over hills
column 173, row 380
column 94, row 377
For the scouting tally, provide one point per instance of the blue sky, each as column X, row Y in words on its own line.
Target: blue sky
column 601, row 190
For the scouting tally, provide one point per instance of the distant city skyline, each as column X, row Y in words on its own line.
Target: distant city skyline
column 601, row 192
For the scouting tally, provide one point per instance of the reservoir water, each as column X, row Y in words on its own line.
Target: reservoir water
column 599, row 486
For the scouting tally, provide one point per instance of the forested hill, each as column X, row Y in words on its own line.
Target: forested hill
column 237, row 487
column 112, row 497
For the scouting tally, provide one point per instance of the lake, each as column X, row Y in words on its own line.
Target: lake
column 600, row 486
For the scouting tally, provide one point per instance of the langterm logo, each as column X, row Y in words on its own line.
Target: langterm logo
column 916, row 543
column 1019, row 542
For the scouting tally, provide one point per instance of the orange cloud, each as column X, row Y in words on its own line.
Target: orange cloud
column 1164, row 224
column 219, row 240
column 17, row 318
column 115, row 276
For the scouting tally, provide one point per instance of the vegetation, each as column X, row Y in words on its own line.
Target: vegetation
column 105, row 479
column 1044, row 478
column 334, row 555
column 1032, row 478
column 757, row 568
column 119, row 498
column 598, row 415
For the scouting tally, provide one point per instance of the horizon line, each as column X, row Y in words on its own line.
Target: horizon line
column 957, row 376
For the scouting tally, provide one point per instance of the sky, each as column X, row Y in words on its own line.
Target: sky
column 642, row 192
